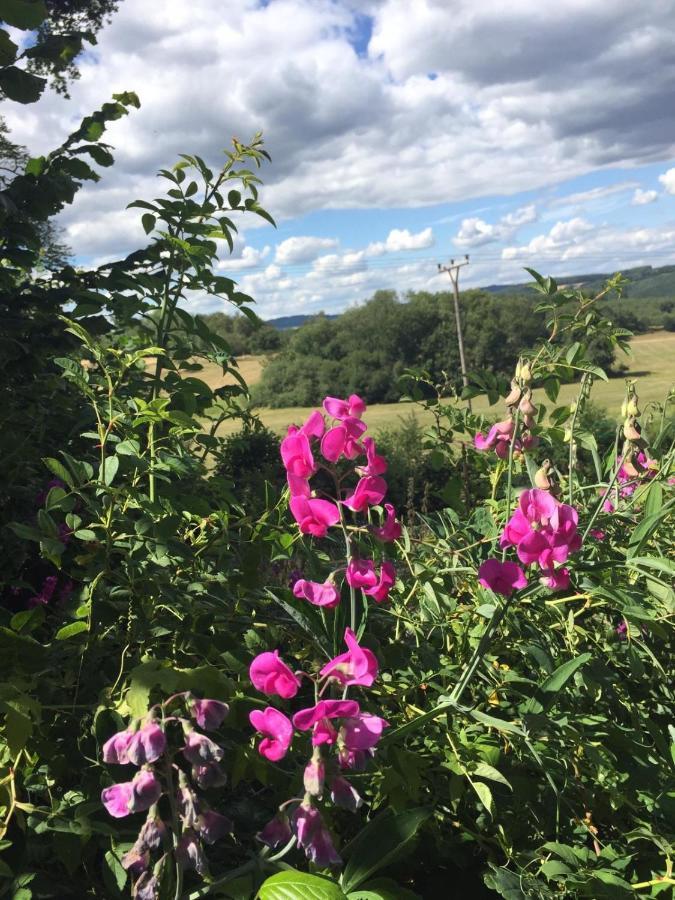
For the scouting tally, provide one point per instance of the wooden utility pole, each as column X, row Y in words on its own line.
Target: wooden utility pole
column 453, row 272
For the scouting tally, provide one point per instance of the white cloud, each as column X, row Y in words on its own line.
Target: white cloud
column 642, row 198
column 302, row 249
column 558, row 240
column 475, row 232
column 668, row 181
column 249, row 258
column 594, row 194
column 400, row 239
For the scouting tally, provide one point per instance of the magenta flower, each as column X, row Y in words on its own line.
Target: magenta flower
column 376, row 465
column 146, row 745
column 352, row 407
column 598, row 534
column 132, row 796
column 343, row 794
column 343, row 439
column 555, row 579
column 200, row 749
column 298, row 487
column 355, row 760
column 314, row 426
column 380, row 591
column 314, row 516
column 369, row 491
column 542, row 530
column 357, row 666
column 270, row 675
column 391, row 530
column 208, row 714
column 318, row 717
column 296, row 453
column 362, row 732
column 313, row 836
column 325, row 594
column 501, row 577
column 277, row 730
column 115, row 748
column 498, row 438
column 361, row 573
column 117, row 799
column 276, row 833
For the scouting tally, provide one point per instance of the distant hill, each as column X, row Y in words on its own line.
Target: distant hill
column 284, row 322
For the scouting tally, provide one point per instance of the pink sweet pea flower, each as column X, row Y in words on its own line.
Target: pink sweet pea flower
column 499, row 434
column 608, row 506
column 313, row 836
column 296, row 453
column 555, row 579
column 343, row 439
column 298, row 487
column 369, row 491
column 117, row 799
column 115, row 749
column 598, row 534
column 314, row 426
column 380, row 591
column 352, row 407
column 391, row 530
column 542, row 530
column 132, row 796
column 362, row 732
column 343, row 794
column 147, row 744
column 325, row 594
column 209, row 714
column 277, row 730
column 361, row 573
column 304, row 719
column 276, row 833
column 199, row 749
column 501, row 577
column 357, row 666
column 314, row 517
column 270, row 675
column 376, row 465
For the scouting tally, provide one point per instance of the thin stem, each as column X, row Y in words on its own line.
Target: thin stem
column 602, row 498
column 509, row 473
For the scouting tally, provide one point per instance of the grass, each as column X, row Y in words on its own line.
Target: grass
column 652, row 363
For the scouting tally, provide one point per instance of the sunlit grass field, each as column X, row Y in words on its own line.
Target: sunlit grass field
column 652, row 363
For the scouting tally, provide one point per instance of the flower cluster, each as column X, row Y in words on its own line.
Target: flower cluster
column 344, row 439
column 636, row 466
column 499, row 437
column 334, row 724
column 145, row 745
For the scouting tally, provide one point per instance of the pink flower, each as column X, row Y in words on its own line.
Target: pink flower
column 319, row 714
column 361, row 573
column 314, row 426
column 391, row 530
column 380, row 591
column 147, row 744
column 542, row 530
column 132, row 796
column 136, row 860
column 343, row 439
column 325, row 594
column 314, row 775
column 498, row 438
column 608, row 506
column 314, row 516
column 352, row 407
column 296, row 453
column 276, row 833
column 189, row 852
column 376, row 465
column 298, row 487
column 209, row 714
column 555, row 579
column 313, row 836
column 343, row 794
column 598, row 534
column 357, row 666
column 501, row 577
column 115, row 748
column 270, row 675
column 362, row 732
column 212, row 826
column 117, row 799
column 277, row 730
column 369, row 491
column 199, row 749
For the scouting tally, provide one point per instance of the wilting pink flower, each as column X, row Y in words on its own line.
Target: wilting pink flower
column 136, row 860
column 200, row 749
column 212, row 826
column 343, row 439
column 147, row 887
column 622, row 630
column 277, row 730
column 325, row 594
column 208, row 714
column 369, row 491
column 555, row 579
column 115, row 748
column 342, row 793
column 501, row 577
column 208, row 775
column 376, row 464
column 352, row 407
column 296, row 453
column 270, row 675
column 357, row 666
column 188, row 804
column 380, row 591
column 361, row 573
column 530, row 441
column 117, row 799
column 313, row 836
column 189, row 852
column 498, row 438
column 276, row 833
column 362, row 732
column 314, row 516
column 391, row 530
column 153, row 832
column 147, row 744
column 314, row 775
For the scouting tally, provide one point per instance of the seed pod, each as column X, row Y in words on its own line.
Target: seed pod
column 526, row 406
column 541, row 479
column 630, row 432
column 515, row 395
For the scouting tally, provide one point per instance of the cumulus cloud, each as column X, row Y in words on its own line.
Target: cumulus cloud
column 400, row 239
column 642, row 198
column 590, row 196
column 302, row 249
column 474, row 232
column 559, row 239
column 668, row 181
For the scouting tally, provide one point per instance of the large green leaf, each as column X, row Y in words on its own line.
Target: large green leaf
column 24, row 14
column 21, row 86
column 382, row 889
column 293, row 885
column 383, row 839
column 555, row 682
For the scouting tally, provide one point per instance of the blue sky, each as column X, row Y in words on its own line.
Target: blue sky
column 403, row 132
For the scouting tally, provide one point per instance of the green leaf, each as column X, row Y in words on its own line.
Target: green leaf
column 18, row 728
column 293, row 885
column 20, row 86
column 70, row 630
column 24, row 14
column 485, row 796
column 234, row 198
column 494, row 722
column 555, row 682
column 7, row 49
column 375, row 846
column 483, row 770
column 108, row 469
column 85, row 534
column 148, row 222
column 117, row 874
column 57, row 468
column 382, row 889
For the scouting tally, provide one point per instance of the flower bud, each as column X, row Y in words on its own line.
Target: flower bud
column 526, row 406
column 632, row 408
column 515, row 394
column 147, row 744
column 314, row 774
column 541, row 479
column 153, row 831
column 526, row 373
column 146, row 791
column 624, row 409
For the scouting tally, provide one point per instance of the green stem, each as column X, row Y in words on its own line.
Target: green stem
column 602, row 498
column 509, row 473
column 481, row 649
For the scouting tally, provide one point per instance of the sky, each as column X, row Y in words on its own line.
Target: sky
column 403, row 133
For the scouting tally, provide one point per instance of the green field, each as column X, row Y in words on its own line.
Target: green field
column 652, row 363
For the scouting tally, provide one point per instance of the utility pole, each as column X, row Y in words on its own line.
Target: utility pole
column 453, row 272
